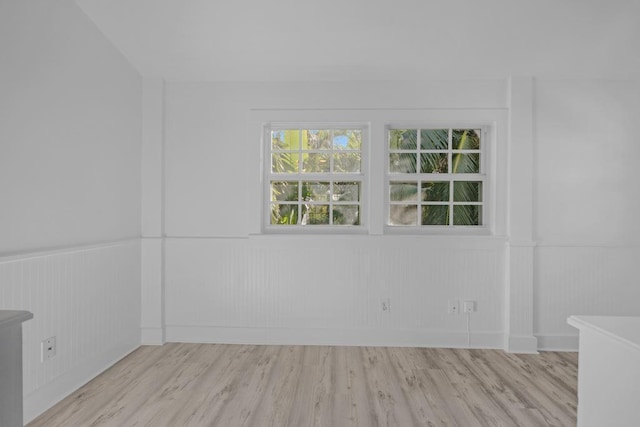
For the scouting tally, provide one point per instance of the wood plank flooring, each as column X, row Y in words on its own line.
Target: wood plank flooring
column 245, row 385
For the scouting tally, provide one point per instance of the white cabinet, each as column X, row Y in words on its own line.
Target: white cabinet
column 608, row 370
column 11, row 366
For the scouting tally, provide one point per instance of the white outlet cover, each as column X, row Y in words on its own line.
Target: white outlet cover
column 454, row 306
column 48, row 348
column 469, row 306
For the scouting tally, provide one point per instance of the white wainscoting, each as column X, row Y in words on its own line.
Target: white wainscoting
column 582, row 280
column 519, row 299
column 152, row 304
column 88, row 298
column 328, row 290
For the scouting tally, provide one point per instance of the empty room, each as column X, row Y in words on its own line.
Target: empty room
column 335, row 213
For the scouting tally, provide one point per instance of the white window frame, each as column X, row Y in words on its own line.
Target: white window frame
column 374, row 199
column 485, row 176
column 361, row 177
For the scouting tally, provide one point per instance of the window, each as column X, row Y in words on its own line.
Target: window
column 379, row 171
column 435, row 178
column 314, row 177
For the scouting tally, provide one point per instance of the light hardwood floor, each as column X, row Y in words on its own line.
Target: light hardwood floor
column 245, row 385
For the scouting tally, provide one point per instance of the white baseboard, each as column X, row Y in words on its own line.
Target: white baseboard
column 558, row 342
column 341, row 337
column 53, row 392
column 152, row 336
column 521, row 344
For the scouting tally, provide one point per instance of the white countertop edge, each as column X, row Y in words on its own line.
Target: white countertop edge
column 612, row 327
column 13, row 317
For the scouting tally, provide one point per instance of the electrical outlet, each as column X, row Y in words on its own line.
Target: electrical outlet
column 469, row 306
column 48, row 349
column 454, row 306
column 385, row 305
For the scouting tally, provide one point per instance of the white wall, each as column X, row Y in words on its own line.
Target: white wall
column 587, row 203
column 220, row 275
column 70, row 143
column 226, row 283
column 586, row 146
column 70, row 108
column 207, row 124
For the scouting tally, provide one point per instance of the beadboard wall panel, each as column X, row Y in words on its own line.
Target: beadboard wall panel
column 572, row 280
column 88, row 298
column 328, row 290
column 152, row 304
column 519, row 313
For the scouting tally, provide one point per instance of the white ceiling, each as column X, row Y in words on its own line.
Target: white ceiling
column 281, row 40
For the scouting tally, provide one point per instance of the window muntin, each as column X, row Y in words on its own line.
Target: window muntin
column 315, row 177
column 435, row 177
